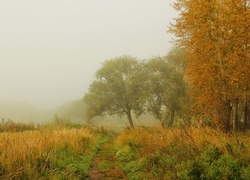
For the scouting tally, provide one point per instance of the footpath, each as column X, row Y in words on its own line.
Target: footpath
column 104, row 166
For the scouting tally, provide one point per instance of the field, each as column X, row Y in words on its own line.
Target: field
column 47, row 153
column 140, row 153
column 186, row 153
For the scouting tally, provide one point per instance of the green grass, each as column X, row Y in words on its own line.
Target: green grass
column 179, row 158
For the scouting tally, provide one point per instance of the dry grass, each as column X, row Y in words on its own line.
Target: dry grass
column 150, row 140
column 183, row 153
column 23, row 151
column 15, row 127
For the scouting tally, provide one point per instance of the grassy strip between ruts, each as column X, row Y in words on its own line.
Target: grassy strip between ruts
column 105, row 164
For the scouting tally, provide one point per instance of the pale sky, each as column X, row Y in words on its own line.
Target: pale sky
column 51, row 49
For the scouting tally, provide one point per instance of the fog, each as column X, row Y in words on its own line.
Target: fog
column 51, row 49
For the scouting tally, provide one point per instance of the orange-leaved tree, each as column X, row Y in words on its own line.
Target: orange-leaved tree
column 216, row 36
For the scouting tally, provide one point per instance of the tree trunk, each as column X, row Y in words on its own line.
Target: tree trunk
column 246, row 113
column 162, row 124
column 171, row 122
column 245, row 116
column 228, row 117
column 130, row 119
column 234, row 116
column 237, row 115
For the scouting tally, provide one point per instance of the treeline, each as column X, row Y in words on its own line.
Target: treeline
column 125, row 84
column 216, row 37
column 206, row 80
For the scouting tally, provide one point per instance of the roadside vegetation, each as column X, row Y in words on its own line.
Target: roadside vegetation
column 183, row 153
column 65, row 151
column 48, row 153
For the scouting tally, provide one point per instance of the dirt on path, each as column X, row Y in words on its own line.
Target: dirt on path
column 104, row 166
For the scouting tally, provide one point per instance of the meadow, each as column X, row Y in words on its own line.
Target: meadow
column 46, row 153
column 66, row 152
column 184, row 153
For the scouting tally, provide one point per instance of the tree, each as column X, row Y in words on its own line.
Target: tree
column 73, row 110
column 117, row 89
column 216, row 36
column 166, row 88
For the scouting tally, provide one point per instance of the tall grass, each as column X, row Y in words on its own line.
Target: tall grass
column 25, row 155
column 187, row 153
column 15, row 127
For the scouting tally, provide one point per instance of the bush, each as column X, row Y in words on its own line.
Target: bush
column 212, row 164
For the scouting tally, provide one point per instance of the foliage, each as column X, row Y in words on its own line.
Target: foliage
column 213, row 165
column 116, row 89
column 74, row 110
column 126, row 86
column 215, row 35
column 61, row 121
column 166, row 87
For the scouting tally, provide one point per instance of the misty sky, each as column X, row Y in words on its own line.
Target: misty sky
column 51, row 49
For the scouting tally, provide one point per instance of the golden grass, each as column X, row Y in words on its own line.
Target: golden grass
column 150, row 140
column 24, row 149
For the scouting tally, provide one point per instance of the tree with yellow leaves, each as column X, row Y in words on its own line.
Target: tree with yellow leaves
column 216, row 36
